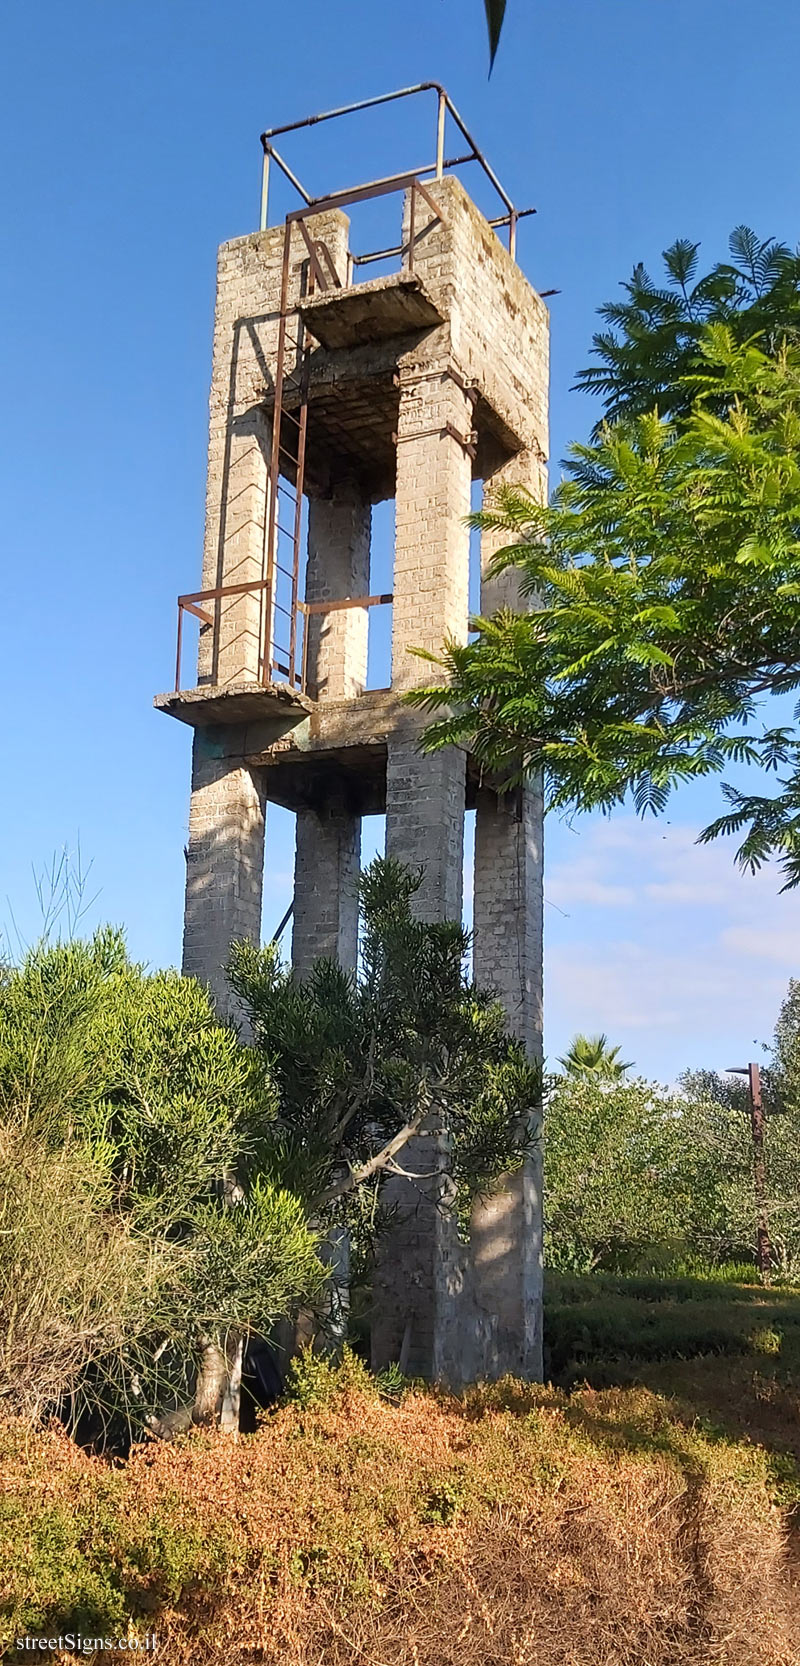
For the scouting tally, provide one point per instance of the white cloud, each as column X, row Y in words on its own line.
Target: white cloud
column 575, row 888
column 664, row 944
column 776, row 943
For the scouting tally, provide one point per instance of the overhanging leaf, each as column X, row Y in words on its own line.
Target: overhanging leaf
column 495, row 12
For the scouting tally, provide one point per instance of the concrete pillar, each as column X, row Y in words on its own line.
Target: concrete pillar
column 507, row 928
column 509, row 827
column 224, row 864
column 327, row 865
column 431, row 564
column 425, row 822
column 420, row 1271
column 328, row 839
column 249, row 278
column 338, row 568
column 506, row 1228
column 230, row 649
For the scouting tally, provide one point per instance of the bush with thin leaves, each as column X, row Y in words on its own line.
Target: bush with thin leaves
column 144, row 1225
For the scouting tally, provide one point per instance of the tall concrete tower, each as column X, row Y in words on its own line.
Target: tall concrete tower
column 328, row 395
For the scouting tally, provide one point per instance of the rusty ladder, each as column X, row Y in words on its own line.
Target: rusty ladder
column 287, row 466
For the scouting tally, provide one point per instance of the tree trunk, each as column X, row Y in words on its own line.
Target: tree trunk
column 218, row 1393
column 763, row 1244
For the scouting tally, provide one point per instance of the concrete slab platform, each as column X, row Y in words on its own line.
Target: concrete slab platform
column 390, row 306
column 245, row 702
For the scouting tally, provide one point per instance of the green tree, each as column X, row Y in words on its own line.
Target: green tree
column 622, row 1174
column 782, row 1078
column 666, row 574
column 590, row 1056
column 121, row 1095
column 719, row 1125
column 723, row 1124
column 652, row 346
column 364, row 1064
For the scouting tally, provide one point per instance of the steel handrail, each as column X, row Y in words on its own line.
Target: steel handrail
column 357, row 193
column 189, row 603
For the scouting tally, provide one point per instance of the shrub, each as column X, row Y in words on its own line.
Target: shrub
column 139, row 1234
column 514, row 1526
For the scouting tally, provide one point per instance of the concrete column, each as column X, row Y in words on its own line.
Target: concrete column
column 506, row 1227
column 509, row 827
column 431, row 565
column 338, row 568
column 425, row 822
column 230, row 649
column 224, row 864
column 506, row 1230
column 507, row 929
column 420, row 1273
column 249, row 277
column 327, row 865
column 328, row 840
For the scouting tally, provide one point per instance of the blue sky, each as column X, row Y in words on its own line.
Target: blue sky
column 130, row 139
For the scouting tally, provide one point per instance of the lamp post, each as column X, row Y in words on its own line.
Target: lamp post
column 763, row 1243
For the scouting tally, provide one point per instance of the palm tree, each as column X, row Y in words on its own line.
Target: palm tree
column 590, row 1057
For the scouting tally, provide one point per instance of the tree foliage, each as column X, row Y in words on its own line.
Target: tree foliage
column 666, row 578
column 653, row 344
column 640, row 1175
column 128, row 1111
column 590, row 1056
column 620, row 1178
column 364, row 1064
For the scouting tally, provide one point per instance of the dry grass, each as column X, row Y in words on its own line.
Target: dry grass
column 519, row 1528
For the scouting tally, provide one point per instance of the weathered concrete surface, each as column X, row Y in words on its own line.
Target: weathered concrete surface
column 240, row 432
column 425, row 799
column 384, row 307
column 339, row 527
column 326, row 871
column 420, row 384
column 224, row 865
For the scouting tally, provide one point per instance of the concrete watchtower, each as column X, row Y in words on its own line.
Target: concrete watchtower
column 327, row 396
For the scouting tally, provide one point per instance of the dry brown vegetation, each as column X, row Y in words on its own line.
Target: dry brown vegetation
column 520, row 1527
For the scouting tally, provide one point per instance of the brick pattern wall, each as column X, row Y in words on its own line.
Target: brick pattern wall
column 327, row 865
column 245, row 351
column 338, row 567
column 425, row 823
column 497, row 330
column 225, row 864
column 431, row 567
column 506, row 1228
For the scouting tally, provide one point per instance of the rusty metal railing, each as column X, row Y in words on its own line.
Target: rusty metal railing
column 297, row 678
column 441, row 164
